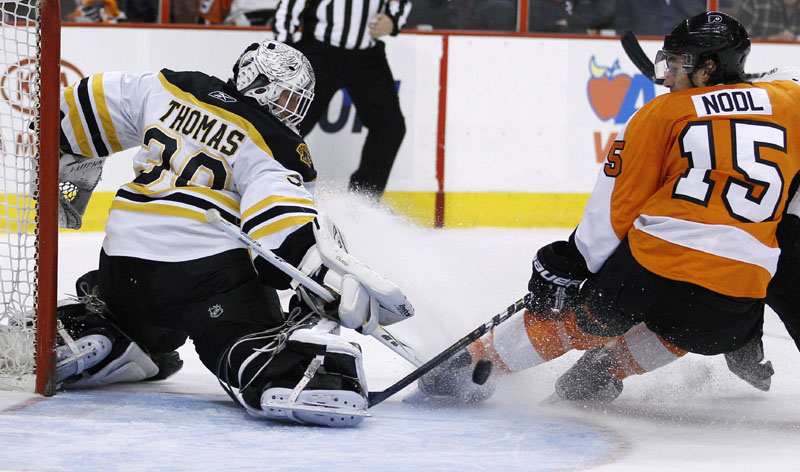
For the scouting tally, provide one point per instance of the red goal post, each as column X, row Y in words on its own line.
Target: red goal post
column 29, row 140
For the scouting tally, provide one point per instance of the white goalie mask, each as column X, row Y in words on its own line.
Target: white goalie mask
column 278, row 77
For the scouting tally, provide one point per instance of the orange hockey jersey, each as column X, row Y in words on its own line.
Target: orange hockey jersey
column 698, row 181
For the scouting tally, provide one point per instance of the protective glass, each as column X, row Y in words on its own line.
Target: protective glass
column 668, row 62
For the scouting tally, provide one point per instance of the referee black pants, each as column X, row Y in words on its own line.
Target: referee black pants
column 366, row 76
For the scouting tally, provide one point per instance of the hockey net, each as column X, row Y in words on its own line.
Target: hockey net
column 29, row 87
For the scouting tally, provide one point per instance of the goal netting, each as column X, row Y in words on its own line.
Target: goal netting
column 29, row 86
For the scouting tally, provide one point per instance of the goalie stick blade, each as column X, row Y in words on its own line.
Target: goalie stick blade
column 639, row 58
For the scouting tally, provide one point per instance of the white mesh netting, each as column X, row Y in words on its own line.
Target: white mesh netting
column 19, row 171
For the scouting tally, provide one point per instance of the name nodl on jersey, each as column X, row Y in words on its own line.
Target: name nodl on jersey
column 733, row 102
column 198, row 125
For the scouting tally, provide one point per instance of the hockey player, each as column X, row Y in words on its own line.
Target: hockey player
column 597, row 376
column 238, row 12
column 677, row 244
column 166, row 274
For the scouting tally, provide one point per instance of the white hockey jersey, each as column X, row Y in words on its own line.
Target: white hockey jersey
column 200, row 147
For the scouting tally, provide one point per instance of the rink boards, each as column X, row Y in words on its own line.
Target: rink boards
column 509, row 130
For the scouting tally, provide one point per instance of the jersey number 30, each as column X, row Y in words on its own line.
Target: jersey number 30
column 741, row 197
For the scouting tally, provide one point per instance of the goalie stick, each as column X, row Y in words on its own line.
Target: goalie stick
column 378, row 397
column 642, row 62
column 381, row 334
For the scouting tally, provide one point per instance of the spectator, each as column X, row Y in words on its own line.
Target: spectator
column 436, row 14
column 771, row 19
column 238, row 12
column 578, row 16
column 731, row 7
column 655, row 20
column 495, row 15
column 345, row 52
column 97, row 11
column 183, row 11
column 140, row 11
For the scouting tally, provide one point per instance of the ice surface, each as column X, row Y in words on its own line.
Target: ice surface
column 690, row 415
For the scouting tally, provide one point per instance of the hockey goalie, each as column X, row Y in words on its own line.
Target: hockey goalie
column 166, row 275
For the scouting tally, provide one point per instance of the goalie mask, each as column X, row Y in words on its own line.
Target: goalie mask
column 710, row 35
column 278, row 77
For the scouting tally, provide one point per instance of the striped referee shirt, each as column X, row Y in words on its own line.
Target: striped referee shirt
column 340, row 23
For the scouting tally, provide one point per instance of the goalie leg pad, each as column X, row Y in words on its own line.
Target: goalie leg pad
column 132, row 366
column 100, row 353
column 301, row 373
column 81, row 355
column 334, row 408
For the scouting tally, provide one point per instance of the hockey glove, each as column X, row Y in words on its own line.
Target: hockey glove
column 747, row 363
column 366, row 299
column 558, row 272
column 77, row 178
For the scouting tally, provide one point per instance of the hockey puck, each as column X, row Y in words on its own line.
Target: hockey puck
column 483, row 368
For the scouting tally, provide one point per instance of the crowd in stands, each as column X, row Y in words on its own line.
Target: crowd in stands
column 764, row 19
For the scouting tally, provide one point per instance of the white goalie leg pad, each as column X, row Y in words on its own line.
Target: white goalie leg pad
column 392, row 305
column 327, row 407
column 320, row 334
column 132, row 366
column 75, row 357
column 335, row 408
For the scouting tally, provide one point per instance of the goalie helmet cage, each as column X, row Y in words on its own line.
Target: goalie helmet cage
column 29, row 140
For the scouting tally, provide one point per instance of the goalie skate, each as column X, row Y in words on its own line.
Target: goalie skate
column 336, row 408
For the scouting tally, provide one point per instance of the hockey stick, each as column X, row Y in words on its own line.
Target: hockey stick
column 386, row 338
column 378, row 397
column 639, row 58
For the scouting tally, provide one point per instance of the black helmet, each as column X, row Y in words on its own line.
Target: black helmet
column 716, row 36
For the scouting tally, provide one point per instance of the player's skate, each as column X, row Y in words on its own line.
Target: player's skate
column 309, row 375
column 453, row 381
column 590, row 380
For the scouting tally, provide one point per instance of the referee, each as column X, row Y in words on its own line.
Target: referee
column 339, row 38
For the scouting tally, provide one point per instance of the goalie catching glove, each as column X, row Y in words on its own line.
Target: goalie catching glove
column 365, row 298
column 77, row 178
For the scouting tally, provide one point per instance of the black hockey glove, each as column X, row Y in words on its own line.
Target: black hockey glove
column 558, row 272
column 747, row 363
